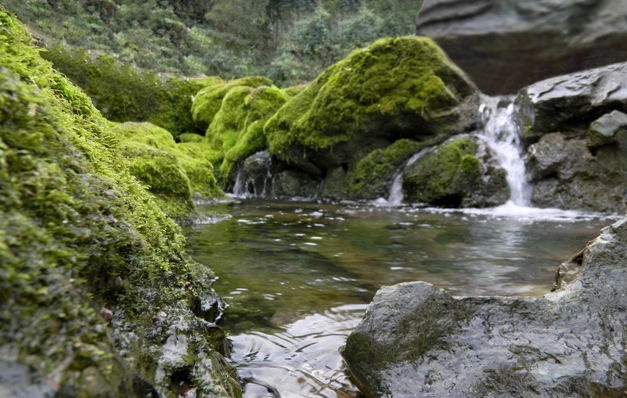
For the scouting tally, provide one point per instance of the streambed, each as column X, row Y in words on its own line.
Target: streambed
column 298, row 276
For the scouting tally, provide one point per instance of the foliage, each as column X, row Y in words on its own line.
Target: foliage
column 77, row 231
column 123, row 93
column 290, row 41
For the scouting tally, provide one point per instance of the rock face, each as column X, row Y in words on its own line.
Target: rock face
column 97, row 295
column 455, row 175
column 417, row 340
column 505, row 45
column 396, row 88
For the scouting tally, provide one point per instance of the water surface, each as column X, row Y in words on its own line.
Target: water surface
column 298, row 276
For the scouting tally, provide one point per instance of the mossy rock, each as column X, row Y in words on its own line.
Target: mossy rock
column 372, row 177
column 237, row 128
column 124, row 93
column 78, row 232
column 293, row 91
column 445, row 176
column 190, row 137
column 208, row 101
column 397, row 88
column 170, row 173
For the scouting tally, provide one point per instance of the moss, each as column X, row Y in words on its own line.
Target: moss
column 390, row 87
column 372, row 176
column 190, row 137
column 446, row 175
column 208, row 101
column 293, row 91
column 77, row 231
column 124, row 93
column 236, row 131
column 171, row 174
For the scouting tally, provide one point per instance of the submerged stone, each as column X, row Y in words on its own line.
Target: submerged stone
column 418, row 340
column 396, row 88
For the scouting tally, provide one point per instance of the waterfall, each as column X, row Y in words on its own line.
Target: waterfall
column 396, row 192
column 254, row 177
column 502, row 135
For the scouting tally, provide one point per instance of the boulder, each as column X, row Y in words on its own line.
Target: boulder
column 459, row 173
column 569, row 103
column 505, row 45
column 396, row 88
column 570, row 174
column 97, row 295
column 418, row 340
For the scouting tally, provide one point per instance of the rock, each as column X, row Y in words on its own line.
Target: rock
column 569, row 174
column 418, row 340
column 571, row 102
column 396, row 88
column 254, row 177
column 78, row 230
column 603, row 131
column 506, row 45
column 295, row 184
column 454, row 176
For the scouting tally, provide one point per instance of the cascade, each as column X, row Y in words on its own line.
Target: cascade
column 254, row 177
column 501, row 134
column 396, row 191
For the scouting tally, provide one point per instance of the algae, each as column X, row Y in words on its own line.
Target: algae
column 78, row 232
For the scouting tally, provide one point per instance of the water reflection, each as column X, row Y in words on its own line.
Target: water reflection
column 297, row 276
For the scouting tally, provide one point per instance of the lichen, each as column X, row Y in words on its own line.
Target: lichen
column 392, row 86
column 446, row 175
column 77, row 232
column 237, row 128
column 208, row 101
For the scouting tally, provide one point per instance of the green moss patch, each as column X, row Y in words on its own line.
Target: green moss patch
column 396, row 88
column 124, row 93
column 78, row 232
column 171, row 174
column 445, row 176
column 208, row 101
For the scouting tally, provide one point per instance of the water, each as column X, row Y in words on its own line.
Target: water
column 298, row 276
column 502, row 135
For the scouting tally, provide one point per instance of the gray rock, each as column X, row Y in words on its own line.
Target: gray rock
column 571, row 102
column 417, row 340
column 505, row 45
column 294, row 183
column 254, row 178
column 569, row 174
column 603, row 130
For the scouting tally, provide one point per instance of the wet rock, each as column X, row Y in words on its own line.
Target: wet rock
column 418, row 340
column 459, row 173
column 294, row 183
column 254, row 177
column 506, row 45
column 569, row 174
column 570, row 103
column 603, row 131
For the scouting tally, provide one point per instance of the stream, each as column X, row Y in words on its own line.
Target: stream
column 298, row 276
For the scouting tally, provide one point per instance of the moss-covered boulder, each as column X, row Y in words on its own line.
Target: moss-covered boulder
column 396, row 88
column 173, row 176
column 78, row 233
column 124, row 93
column 453, row 175
column 236, row 130
column 208, row 101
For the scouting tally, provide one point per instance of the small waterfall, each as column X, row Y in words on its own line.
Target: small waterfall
column 502, row 135
column 396, row 192
column 254, row 177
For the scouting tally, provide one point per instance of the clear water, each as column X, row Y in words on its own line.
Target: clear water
column 298, row 276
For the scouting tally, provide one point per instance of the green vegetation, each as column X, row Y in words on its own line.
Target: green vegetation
column 381, row 91
column 445, row 176
column 169, row 172
column 77, row 232
column 289, row 41
column 124, row 93
column 372, row 175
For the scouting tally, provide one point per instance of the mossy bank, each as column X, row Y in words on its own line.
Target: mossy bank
column 79, row 233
